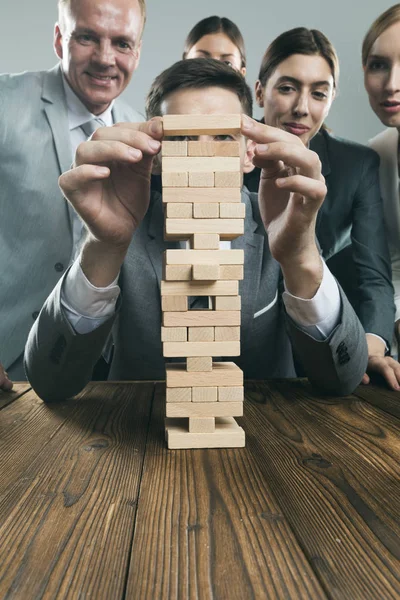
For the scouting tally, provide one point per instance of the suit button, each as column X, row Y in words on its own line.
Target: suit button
column 59, row 267
column 35, row 315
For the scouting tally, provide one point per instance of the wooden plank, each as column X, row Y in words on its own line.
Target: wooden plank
column 201, row 180
column 179, row 210
column 192, row 195
column 204, row 409
column 174, row 303
column 201, row 124
column 200, row 164
column 175, row 180
column 204, row 257
column 170, row 148
column 174, row 334
column 205, row 394
column 183, row 349
column 222, row 303
column 380, row 397
column 193, row 288
column 229, row 272
column 206, row 272
column 341, row 457
column 183, row 394
column 226, row 334
column 228, row 179
column 18, row 390
column 177, row 272
column 208, row 526
column 205, row 241
column 231, row 394
column 69, row 481
column 200, row 334
column 232, row 211
column 226, row 228
column 199, row 364
column 204, row 210
column 226, row 434
column 227, row 148
column 223, row 374
column 201, row 425
column 202, row 318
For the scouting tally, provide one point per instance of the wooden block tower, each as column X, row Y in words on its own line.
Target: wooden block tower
column 202, row 201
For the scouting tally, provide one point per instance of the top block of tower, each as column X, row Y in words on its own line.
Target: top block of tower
column 201, row 124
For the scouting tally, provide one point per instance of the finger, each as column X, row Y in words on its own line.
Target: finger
column 78, row 178
column 131, row 137
column 365, row 380
column 5, row 383
column 264, row 134
column 312, row 189
column 152, row 128
column 386, row 368
column 298, row 157
column 107, row 151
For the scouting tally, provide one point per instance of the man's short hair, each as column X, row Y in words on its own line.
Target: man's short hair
column 197, row 73
column 64, row 4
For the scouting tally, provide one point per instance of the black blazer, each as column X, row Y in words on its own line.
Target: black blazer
column 350, row 229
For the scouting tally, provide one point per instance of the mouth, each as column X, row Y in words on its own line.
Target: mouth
column 296, row 128
column 390, row 106
column 101, row 79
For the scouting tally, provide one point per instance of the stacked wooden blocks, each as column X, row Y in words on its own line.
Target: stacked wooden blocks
column 202, row 200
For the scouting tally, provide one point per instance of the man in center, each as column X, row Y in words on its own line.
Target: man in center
column 289, row 297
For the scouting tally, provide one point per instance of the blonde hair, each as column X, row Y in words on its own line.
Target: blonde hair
column 383, row 22
column 63, row 4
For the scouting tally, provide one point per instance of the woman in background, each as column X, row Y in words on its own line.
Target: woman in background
column 218, row 38
column 297, row 84
column 381, row 63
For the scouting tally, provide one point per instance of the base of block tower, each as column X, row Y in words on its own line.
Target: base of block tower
column 228, row 434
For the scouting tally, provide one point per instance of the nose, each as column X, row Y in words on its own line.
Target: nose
column 392, row 84
column 300, row 108
column 104, row 54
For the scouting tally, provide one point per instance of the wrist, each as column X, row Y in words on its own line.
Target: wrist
column 376, row 346
column 101, row 262
column 303, row 275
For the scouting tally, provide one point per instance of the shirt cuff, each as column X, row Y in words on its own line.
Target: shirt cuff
column 319, row 315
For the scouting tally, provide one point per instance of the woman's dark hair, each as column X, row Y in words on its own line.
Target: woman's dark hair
column 216, row 24
column 298, row 41
column 197, row 73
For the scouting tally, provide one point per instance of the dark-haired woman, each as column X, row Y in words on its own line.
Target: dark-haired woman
column 296, row 87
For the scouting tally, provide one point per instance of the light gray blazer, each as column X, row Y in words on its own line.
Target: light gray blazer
column 35, row 223
column 59, row 362
column 386, row 144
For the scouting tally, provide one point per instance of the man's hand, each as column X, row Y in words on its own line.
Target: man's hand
column 385, row 366
column 5, row 384
column 291, row 192
column 109, row 186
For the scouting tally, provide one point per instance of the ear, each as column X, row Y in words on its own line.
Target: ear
column 248, row 165
column 243, row 71
column 259, row 91
column 57, row 42
column 139, row 52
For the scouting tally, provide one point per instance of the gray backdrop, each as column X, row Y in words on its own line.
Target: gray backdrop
column 26, row 29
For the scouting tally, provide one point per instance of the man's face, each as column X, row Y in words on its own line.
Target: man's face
column 208, row 101
column 99, row 45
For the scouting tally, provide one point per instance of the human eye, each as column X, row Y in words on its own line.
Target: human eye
column 377, row 65
column 228, row 62
column 320, row 95
column 224, row 138
column 123, row 45
column 84, row 38
column 181, row 138
column 286, row 89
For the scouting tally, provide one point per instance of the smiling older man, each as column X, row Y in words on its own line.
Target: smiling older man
column 45, row 116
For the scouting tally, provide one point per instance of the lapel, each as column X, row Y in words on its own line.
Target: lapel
column 55, row 108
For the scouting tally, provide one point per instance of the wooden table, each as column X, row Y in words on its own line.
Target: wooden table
column 93, row 505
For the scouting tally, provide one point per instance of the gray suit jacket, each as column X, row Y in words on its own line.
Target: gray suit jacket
column 59, row 362
column 35, row 224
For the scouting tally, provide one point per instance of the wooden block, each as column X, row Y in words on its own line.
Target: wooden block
column 232, row 211
column 196, row 288
column 201, row 424
column 177, row 148
column 179, row 210
column 227, row 180
column 177, row 272
column 201, row 180
column 231, row 272
column 174, row 334
column 179, row 394
column 227, row 434
column 202, row 318
column 204, row 409
column 230, row 394
column 207, row 211
column 227, row 229
column 200, row 334
column 184, row 349
column 201, row 164
column 174, row 180
column 189, row 194
column 227, row 303
column 204, row 257
column 205, row 241
column 226, row 334
column 201, row 124
column 205, row 272
column 198, row 364
column 174, row 303
column 205, row 394
column 223, row 374
column 227, row 148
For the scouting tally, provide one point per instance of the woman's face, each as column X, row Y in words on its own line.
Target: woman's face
column 382, row 76
column 298, row 95
column 219, row 47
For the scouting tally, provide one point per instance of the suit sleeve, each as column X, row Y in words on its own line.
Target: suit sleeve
column 371, row 254
column 337, row 364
